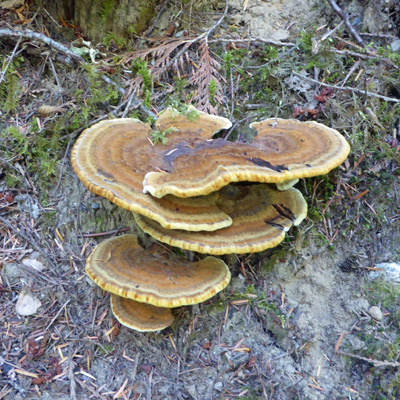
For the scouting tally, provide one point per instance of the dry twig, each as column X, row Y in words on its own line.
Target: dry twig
column 30, row 241
column 349, row 27
column 28, row 34
column 31, row 35
column 13, row 54
column 375, row 363
column 351, row 89
column 72, row 383
column 252, row 41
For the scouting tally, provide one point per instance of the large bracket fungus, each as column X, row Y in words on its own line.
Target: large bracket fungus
column 145, row 284
column 112, row 157
column 282, row 150
column 197, row 193
column 121, row 266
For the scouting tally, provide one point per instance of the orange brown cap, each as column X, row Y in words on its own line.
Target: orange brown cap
column 121, row 266
column 140, row 316
column 112, row 157
column 260, row 216
column 282, row 150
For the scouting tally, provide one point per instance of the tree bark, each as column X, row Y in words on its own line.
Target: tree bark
column 98, row 18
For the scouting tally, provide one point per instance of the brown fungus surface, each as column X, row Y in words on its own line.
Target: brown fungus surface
column 111, row 159
column 282, row 150
column 121, row 266
column 260, row 213
column 141, row 317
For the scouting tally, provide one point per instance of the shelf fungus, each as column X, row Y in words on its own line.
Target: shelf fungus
column 121, row 266
column 141, row 317
column 282, row 150
column 112, row 157
column 260, row 216
column 196, row 192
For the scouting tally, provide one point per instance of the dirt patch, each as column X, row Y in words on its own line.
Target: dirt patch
column 276, row 19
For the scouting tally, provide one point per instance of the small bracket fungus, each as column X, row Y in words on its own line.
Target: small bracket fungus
column 260, row 216
column 121, row 266
column 141, row 317
column 282, row 150
column 111, row 159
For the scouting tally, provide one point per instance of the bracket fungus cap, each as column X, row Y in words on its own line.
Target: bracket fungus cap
column 112, row 157
column 260, row 216
column 282, row 150
column 141, row 317
column 121, row 266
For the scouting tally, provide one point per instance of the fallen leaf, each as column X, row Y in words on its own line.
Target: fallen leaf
column 45, row 111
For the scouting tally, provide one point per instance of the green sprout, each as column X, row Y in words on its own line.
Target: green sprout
column 161, row 136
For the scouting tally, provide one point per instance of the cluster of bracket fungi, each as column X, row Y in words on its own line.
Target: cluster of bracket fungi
column 206, row 195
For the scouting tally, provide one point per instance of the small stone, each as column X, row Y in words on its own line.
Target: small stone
column 376, row 313
column 27, row 304
column 95, row 206
column 395, row 45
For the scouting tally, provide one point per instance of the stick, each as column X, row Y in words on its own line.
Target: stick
column 219, row 22
column 135, row 365
column 31, row 35
column 355, row 90
column 375, row 363
column 58, row 313
column 94, row 392
column 128, row 106
column 253, row 40
column 62, row 165
column 148, row 386
column 29, row 240
column 349, row 27
column 72, row 383
column 114, row 231
column 204, row 35
column 13, row 54
column 155, row 22
column 3, row 73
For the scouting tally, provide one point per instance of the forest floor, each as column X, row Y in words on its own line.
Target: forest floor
column 295, row 321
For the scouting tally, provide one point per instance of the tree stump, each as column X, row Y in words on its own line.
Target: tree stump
column 98, row 18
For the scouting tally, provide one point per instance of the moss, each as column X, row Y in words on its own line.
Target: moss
column 216, row 307
column 146, row 14
column 279, row 255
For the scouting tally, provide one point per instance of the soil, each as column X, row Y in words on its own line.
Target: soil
column 276, row 332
